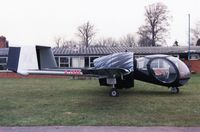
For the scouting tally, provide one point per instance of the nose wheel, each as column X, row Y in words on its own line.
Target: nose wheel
column 175, row 90
column 113, row 93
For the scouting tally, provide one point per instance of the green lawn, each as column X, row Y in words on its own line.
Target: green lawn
column 29, row 102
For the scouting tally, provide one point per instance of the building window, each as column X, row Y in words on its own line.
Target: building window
column 3, row 63
column 177, row 56
column 87, row 62
column 92, row 60
column 64, row 62
column 77, row 62
column 194, row 57
column 57, row 61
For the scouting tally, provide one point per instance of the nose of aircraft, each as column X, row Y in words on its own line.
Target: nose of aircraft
column 184, row 73
column 183, row 69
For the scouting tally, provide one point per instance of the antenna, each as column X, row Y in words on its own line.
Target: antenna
column 189, row 42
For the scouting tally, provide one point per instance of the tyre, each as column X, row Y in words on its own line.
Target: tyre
column 113, row 93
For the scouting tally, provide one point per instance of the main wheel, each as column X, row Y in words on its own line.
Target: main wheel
column 114, row 93
column 174, row 90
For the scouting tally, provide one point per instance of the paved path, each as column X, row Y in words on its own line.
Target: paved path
column 98, row 129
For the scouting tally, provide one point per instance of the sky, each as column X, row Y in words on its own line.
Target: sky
column 30, row 22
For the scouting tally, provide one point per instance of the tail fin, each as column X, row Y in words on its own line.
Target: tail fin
column 22, row 59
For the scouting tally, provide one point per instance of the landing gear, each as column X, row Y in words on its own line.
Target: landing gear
column 174, row 90
column 112, row 81
column 114, row 93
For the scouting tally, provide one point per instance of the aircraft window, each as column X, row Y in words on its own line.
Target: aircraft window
column 163, row 70
column 182, row 67
column 142, row 63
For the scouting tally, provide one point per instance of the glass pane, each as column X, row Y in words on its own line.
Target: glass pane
column 142, row 63
column 91, row 64
column 56, row 58
column 2, row 60
column 92, row 59
column 182, row 67
column 64, row 65
column 86, row 61
column 3, row 67
column 163, row 70
column 63, row 59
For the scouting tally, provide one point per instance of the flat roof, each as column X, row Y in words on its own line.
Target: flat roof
column 108, row 50
column 136, row 50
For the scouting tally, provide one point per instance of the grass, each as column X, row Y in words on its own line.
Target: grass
column 30, row 102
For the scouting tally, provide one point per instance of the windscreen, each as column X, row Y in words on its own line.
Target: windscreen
column 182, row 67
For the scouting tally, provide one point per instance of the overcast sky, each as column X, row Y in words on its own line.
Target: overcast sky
column 29, row 22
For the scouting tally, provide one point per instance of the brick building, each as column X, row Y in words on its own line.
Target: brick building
column 3, row 42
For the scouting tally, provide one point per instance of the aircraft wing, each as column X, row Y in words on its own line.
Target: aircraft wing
column 64, row 72
column 78, row 72
column 107, row 72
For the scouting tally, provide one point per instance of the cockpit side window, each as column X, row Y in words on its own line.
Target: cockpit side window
column 163, row 70
column 142, row 63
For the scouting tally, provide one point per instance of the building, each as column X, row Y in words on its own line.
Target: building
column 3, row 58
column 3, row 42
column 84, row 57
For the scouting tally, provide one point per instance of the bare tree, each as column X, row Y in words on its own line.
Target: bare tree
column 102, row 42
column 58, row 41
column 175, row 43
column 128, row 40
column 70, row 44
column 198, row 42
column 156, row 23
column 110, row 42
column 196, row 33
column 86, row 33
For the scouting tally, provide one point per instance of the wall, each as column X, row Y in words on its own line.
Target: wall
column 195, row 65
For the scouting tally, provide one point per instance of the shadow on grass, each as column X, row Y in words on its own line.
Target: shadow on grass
column 148, row 92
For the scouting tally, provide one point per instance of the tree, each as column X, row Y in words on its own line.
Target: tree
column 198, row 42
column 70, row 44
column 110, row 42
column 128, row 40
column 3, row 42
column 86, row 33
column 175, row 43
column 196, row 33
column 58, row 41
column 156, row 23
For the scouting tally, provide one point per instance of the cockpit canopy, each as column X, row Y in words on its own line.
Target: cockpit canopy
column 163, row 67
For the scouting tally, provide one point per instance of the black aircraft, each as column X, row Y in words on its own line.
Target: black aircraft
column 118, row 70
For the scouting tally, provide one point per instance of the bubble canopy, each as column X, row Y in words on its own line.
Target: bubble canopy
column 163, row 67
